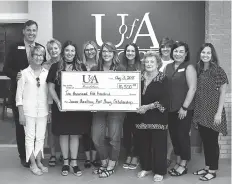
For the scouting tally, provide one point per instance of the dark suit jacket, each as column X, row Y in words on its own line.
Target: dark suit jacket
column 16, row 61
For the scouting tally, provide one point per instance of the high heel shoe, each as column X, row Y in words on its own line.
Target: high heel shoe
column 76, row 169
column 65, row 169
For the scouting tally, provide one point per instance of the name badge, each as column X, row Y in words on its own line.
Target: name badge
column 21, row 47
column 181, row 70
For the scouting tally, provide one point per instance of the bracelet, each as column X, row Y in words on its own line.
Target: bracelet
column 184, row 108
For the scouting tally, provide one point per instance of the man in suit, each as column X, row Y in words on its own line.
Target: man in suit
column 17, row 60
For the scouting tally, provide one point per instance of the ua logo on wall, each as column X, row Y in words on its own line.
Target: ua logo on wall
column 125, row 32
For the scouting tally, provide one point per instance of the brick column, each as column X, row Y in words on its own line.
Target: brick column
column 218, row 32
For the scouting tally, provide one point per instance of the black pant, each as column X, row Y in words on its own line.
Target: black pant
column 179, row 133
column 210, row 144
column 130, row 138
column 20, row 134
column 88, row 142
column 153, row 150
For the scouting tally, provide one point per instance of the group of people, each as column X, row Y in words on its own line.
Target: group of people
column 174, row 93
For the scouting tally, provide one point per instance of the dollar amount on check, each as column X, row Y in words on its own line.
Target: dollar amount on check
column 100, row 91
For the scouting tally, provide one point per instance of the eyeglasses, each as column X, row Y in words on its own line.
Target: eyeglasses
column 38, row 82
column 106, row 51
column 89, row 50
column 38, row 56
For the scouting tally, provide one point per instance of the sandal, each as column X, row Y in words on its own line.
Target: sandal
column 201, row 172
column 87, row 164
column 42, row 168
column 99, row 170
column 36, row 171
column 76, row 169
column 176, row 173
column 52, row 161
column 143, row 173
column 158, row 178
column 127, row 163
column 173, row 169
column 106, row 173
column 65, row 169
column 211, row 176
column 133, row 166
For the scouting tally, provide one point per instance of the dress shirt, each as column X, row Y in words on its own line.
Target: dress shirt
column 34, row 99
column 28, row 48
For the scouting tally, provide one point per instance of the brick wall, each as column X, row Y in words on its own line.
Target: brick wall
column 218, row 32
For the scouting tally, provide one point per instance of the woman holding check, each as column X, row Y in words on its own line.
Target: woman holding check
column 108, row 61
column 152, row 131
column 67, row 125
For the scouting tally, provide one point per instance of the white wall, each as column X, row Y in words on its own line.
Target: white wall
column 41, row 12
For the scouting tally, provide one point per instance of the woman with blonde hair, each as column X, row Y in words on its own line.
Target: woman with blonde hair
column 54, row 50
column 108, row 61
column 90, row 58
column 32, row 100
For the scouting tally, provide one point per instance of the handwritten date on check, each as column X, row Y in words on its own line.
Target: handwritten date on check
column 100, row 91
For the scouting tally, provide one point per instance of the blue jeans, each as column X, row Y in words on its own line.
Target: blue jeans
column 114, row 122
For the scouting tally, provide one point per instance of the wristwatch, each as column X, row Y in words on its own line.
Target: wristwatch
column 184, row 108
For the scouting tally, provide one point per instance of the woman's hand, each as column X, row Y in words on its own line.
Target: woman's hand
column 58, row 105
column 182, row 113
column 142, row 109
column 22, row 119
column 217, row 118
column 49, row 117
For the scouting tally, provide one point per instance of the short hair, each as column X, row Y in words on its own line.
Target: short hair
column 153, row 54
column 29, row 23
column 165, row 42
column 179, row 44
column 51, row 42
column 95, row 47
column 39, row 49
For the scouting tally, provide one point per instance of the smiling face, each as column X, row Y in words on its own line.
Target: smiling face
column 90, row 51
column 107, row 55
column 130, row 52
column 166, row 51
column 69, row 53
column 30, row 33
column 206, row 54
column 179, row 54
column 54, row 50
column 37, row 57
column 151, row 64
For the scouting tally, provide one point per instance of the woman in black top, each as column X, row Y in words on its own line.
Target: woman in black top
column 209, row 113
column 153, row 126
column 182, row 82
column 67, row 125
column 131, row 60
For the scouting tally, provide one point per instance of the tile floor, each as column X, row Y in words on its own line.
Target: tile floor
column 11, row 172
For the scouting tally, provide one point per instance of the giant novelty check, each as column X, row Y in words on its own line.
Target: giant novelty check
column 100, row 91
